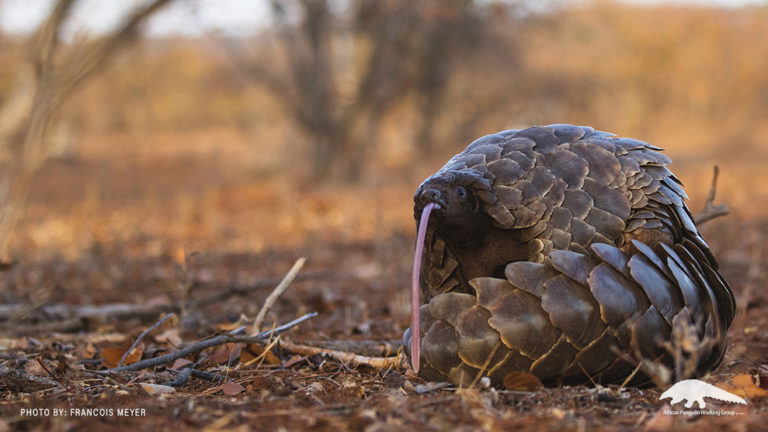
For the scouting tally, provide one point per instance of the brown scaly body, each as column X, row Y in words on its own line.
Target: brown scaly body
column 553, row 250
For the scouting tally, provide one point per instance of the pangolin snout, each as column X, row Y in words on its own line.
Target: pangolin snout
column 430, row 195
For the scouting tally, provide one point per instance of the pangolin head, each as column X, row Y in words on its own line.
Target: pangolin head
column 457, row 207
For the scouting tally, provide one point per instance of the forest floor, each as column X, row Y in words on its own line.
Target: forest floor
column 114, row 241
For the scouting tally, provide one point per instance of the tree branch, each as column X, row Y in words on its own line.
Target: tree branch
column 91, row 61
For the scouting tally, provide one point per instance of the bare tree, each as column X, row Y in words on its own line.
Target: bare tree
column 57, row 73
column 399, row 49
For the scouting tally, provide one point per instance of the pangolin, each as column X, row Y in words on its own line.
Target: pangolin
column 563, row 252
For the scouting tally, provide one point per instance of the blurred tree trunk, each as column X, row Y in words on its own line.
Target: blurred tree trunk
column 399, row 48
column 28, row 114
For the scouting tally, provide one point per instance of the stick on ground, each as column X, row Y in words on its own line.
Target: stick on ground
column 218, row 340
column 141, row 336
column 277, row 292
column 345, row 357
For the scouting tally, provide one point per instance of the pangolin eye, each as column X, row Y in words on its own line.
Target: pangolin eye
column 461, row 192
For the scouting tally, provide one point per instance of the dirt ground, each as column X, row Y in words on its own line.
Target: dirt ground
column 206, row 233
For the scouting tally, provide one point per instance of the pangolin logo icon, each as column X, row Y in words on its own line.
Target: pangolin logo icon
column 693, row 390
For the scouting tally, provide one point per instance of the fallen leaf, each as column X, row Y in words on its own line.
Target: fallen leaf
column 180, row 363
column 225, row 353
column 253, row 351
column 293, row 361
column 231, row 388
column 113, row 355
column 157, row 388
column 743, row 385
column 89, row 351
column 522, row 381
column 171, row 336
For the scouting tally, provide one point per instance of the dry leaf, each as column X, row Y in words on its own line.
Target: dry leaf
column 225, row 352
column 521, row 381
column 113, row 355
column 253, row 351
column 293, row 361
column 89, row 351
column 180, row 363
column 171, row 336
column 157, row 388
column 231, row 388
column 743, row 385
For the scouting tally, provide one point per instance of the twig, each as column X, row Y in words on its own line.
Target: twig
column 346, row 357
column 277, row 292
column 182, row 378
column 586, row 374
column 711, row 211
column 141, row 336
column 371, row 348
column 48, row 371
column 632, row 375
column 206, row 375
column 218, row 340
column 485, row 365
column 263, row 354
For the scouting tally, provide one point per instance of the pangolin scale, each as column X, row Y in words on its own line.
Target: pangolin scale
column 566, row 253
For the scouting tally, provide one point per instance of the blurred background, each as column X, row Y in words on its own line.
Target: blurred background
column 149, row 129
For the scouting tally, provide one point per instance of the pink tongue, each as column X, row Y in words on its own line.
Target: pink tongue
column 415, row 301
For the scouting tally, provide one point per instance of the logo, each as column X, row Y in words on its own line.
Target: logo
column 693, row 390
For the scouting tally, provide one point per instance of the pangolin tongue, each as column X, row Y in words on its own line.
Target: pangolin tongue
column 415, row 321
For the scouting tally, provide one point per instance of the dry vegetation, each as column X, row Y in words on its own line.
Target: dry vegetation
column 183, row 146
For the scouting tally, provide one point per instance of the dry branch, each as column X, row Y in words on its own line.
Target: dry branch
column 370, row 348
column 141, row 336
column 218, row 340
column 182, row 378
column 45, row 327
column 277, row 292
column 345, row 357
column 63, row 312
column 711, row 211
